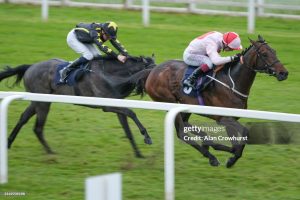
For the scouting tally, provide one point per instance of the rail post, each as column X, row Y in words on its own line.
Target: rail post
column 3, row 135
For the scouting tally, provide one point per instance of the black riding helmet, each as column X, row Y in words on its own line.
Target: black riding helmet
column 110, row 28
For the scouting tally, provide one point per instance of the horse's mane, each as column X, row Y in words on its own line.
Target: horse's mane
column 113, row 66
column 122, row 82
column 133, row 58
column 231, row 64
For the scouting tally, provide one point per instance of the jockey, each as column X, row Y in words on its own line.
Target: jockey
column 204, row 50
column 82, row 39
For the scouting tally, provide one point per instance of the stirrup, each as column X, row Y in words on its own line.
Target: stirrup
column 188, row 83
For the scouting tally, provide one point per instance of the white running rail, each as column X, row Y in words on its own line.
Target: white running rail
column 173, row 109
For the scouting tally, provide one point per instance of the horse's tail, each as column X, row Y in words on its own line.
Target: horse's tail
column 18, row 71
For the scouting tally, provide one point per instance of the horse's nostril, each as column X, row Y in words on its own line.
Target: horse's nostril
column 282, row 76
column 283, row 73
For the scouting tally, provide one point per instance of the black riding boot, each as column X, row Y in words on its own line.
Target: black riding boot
column 66, row 70
column 192, row 79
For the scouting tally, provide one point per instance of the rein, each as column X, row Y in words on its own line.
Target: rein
column 140, row 59
column 227, row 86
column 267, row 67
column 264, row 69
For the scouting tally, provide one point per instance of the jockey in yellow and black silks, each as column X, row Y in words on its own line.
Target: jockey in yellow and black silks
column 84, row 38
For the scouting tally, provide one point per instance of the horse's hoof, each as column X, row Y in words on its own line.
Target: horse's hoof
column 148, row 141
column 230, row 162
column 214, row 162
column 9, row 143
column 139, row 155
column 50, row 152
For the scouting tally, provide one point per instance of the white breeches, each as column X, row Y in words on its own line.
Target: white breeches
column 197, row 60
column 88, row 51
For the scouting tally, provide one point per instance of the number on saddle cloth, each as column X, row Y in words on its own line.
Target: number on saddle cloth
column 74, row 76
column 202, row 82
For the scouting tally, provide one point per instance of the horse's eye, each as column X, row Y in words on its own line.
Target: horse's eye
column 264, row 54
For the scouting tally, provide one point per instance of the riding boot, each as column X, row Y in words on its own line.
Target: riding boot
column 66, row 70
column 192, row 79
column 98, row 57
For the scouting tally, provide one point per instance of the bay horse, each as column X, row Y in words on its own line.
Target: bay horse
column 164, row 84
column 107, row 79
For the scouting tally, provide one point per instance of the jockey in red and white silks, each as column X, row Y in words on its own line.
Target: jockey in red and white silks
column 203, row 52
column 205, row 49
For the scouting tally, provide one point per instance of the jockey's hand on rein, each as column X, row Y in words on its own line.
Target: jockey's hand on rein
column 122, row 58
column 236, row 57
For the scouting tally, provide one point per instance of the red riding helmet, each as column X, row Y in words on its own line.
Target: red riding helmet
column 232, row 40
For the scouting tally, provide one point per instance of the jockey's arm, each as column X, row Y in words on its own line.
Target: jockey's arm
column 116, row 43
column 103, row 47
column 215, row 57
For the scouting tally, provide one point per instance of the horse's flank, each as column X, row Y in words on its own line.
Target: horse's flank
column 109, row 78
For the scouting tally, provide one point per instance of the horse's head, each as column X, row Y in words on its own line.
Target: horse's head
column 262, row 58
column 136, row 64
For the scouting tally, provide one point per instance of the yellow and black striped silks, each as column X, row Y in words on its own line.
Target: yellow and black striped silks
column 91, row 33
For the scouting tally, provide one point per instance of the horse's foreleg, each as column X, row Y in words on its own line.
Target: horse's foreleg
column 129, row 113
column 233, row 127
column 26, row 115
column 179, row 125
column 185, row 117
column 42, row 110
column 124, row 122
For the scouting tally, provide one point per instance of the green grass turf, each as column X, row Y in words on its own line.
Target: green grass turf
column 89, row 142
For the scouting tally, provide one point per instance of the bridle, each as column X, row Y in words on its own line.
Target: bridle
column 266, row 68
column 143, row 60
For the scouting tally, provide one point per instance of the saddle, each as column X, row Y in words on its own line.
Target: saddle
column 74, row 76
column 202, row 82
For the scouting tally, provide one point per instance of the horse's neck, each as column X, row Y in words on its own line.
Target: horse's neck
column 117, row 75
column 243, row 78
column 116, row 68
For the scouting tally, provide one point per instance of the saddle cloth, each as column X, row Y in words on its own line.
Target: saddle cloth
column 202, row 82
column 73, row 77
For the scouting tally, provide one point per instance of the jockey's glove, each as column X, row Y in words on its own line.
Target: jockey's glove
column 236, row 57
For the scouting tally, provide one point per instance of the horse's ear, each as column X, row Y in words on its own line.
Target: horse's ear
column 144, row 59
column 252, row 41
column 153, row 57
column 261, row 39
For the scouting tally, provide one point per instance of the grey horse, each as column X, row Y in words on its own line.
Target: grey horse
column 107, row 78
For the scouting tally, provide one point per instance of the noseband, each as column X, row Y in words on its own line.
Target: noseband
column 266, row 68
